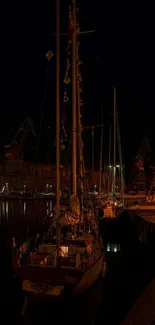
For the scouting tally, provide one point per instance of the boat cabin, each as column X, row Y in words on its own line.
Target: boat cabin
column 68, row 247
column 71, row 253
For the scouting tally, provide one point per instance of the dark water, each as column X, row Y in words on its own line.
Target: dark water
column 24, row 210
column 107, row 302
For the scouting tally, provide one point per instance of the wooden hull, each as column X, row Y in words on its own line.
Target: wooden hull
column 110, row 230
column 108, row 221
column 62, row 281
column 90, row 276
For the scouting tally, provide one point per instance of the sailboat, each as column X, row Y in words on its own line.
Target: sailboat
column 68, row 257
column 112, row 206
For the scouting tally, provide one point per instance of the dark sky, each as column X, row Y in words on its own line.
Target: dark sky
column 120, row 53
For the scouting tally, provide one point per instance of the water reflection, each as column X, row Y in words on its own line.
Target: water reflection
column 25, row 210
column 113, row 248
column 48, row 206
column 7, row 209
column 4, row 210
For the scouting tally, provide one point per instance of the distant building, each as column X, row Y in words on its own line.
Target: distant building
column 19, row 173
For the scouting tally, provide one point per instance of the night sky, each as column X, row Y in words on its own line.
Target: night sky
column 120, row 53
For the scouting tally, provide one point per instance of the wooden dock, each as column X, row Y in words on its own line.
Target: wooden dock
column 143, row 312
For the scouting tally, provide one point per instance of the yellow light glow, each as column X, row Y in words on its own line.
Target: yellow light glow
column 64, row 251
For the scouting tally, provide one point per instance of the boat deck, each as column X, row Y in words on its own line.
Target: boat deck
column 143, row 312
column 143, row 207
column 148, row 216
column 69, row 262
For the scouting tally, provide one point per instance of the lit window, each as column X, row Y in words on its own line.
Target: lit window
column 64, row 251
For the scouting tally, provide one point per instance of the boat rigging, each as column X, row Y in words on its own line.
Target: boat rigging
column 15, row 149
column 70, row 255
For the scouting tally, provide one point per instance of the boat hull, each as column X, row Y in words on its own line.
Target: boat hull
column 91, row 275
column 110, row 230
column 62, row 282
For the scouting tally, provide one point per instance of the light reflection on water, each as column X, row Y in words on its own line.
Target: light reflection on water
column 24, row 209
column 49, row 206
column 4, row 210
column 113, row 248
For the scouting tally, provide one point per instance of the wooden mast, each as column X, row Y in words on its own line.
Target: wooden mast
column 120, row 159
column 109, row 163
column 74, row 122
column 101, row 155
column 58, row 228
column 81, row 162
column 57, row 102
column 114, row 167
column 93, row 168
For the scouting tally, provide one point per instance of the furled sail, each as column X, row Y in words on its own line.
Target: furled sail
column 75, row 204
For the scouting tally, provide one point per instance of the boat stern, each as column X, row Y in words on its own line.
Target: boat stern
column 58, row 281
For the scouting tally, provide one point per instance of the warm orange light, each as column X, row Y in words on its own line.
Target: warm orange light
column 64, row 251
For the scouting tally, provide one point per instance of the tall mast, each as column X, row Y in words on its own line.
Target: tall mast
column 57, row 102
column 120, row 160
column 114, row 167
column 81, row 161
column 101, row 155
column 109, row 162
column 74, row 124
column 93, row 168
